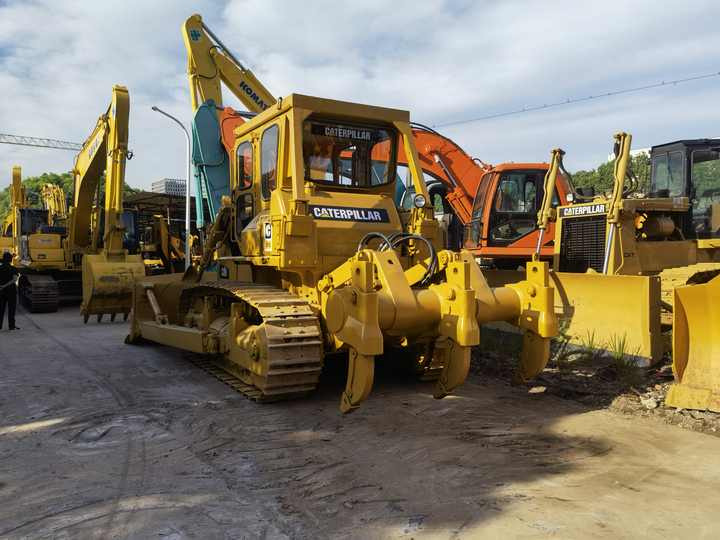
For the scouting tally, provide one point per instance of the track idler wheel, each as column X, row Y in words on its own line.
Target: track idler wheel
column 361, row 372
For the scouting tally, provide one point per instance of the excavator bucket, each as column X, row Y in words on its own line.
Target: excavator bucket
column 696, row 347
column 108, row 284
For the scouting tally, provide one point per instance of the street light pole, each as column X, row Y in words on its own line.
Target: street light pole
column 188, row 256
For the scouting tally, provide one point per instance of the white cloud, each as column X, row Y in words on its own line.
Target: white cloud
column 442, row 60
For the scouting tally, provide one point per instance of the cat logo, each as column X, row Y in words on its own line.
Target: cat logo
column 267, row 235
column 344, row 213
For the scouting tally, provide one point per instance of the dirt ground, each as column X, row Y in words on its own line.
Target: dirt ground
column 103, row 440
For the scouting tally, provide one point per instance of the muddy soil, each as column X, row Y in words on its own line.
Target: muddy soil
column 595, row 380
column 103, row 440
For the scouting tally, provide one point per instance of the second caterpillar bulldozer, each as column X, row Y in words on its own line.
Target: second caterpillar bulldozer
column 313, row 258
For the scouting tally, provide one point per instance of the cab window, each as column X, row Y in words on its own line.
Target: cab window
column 517, row 192
column 245, row 203
column 667, row 175
column 349, row 155
column 268, row 161
column 244, row 165
column 705, row 175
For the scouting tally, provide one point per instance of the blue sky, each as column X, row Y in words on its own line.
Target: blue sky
column 441, row 60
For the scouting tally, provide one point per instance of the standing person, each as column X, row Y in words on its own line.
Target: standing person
column 8, row 290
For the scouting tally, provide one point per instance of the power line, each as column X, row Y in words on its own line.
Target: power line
column 570, row 101
column 57, row 144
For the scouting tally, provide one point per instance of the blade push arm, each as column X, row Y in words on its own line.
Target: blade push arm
column 622, row 162
column 547, row 212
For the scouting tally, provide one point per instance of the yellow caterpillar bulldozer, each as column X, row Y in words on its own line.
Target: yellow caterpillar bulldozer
column 649, row 253
column 313, row 258
column 628, row 263
column 98, row 237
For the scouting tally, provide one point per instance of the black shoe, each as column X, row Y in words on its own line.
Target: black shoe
column 14, row 328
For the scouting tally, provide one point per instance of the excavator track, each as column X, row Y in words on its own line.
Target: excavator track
column 693, row 274
column 38, row 293
column 292, row 348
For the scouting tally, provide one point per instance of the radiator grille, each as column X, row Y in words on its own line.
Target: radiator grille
column 582, row 244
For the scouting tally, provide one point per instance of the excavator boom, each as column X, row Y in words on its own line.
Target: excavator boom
column 210, row 65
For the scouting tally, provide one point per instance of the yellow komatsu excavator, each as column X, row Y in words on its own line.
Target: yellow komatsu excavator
column 53, row 199
column 108, row 270
column 313, row 258
column 38, row 240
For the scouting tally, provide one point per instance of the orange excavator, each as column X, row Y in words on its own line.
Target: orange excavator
column 489, row 210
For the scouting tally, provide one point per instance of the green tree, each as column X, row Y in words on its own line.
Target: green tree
column 601, row 178
column 33, row 187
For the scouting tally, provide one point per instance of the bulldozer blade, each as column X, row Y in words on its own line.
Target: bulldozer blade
column 533, row 357
column 456, row 365
column 361, row 372
column 696, row 347
column 601, row 312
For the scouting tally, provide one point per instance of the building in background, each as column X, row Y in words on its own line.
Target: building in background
column 169, row 186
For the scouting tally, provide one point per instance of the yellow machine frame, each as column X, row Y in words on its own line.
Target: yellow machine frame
column 307, row 279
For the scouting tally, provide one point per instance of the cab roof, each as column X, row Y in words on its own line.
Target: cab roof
column 511, row 166
column 332, row 107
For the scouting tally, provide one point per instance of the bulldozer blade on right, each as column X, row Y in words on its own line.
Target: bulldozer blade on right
column 604, row 313
column 696, row 347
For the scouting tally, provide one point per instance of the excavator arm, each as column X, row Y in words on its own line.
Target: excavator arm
column 210, row 65
column 10, row 240
column 108, row 270
column 445, row 160
column 53, row 199
column 105, row 151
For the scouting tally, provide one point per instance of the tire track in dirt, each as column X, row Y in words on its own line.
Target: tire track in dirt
column 123, row 401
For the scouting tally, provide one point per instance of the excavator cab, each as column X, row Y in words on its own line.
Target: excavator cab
column 503, row 228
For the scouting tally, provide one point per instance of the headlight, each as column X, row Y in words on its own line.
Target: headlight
column 419, row 200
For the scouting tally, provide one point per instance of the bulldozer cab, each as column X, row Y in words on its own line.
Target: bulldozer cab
column 313, row 176
column 691, row 169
